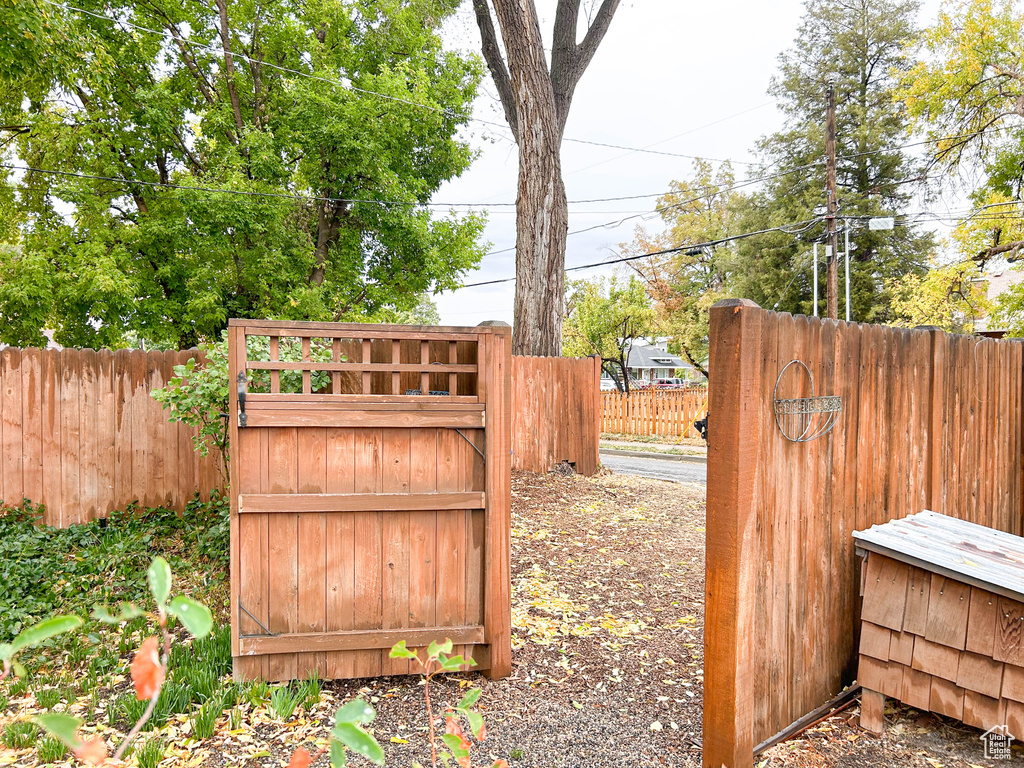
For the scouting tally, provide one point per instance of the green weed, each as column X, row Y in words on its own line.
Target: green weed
column 48, row 698
column 283, row 702
column 19, row 735
column 204, row 720
column 257, row 693
column 149, row 753
column 51, row 750
column 309, row 691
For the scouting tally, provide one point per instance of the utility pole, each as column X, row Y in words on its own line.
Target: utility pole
column 832, row 244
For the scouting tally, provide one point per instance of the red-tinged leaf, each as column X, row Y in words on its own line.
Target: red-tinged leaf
column 300, row 758
column 500, row 764
column 92, row 752
column 147, row 673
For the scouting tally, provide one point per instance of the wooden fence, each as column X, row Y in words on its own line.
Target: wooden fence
column 373, row 496
column 669, row 412
column 556, row 413
column 928, row 420
column 81, row 434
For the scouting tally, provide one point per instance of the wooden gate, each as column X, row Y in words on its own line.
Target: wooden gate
column 370, row 502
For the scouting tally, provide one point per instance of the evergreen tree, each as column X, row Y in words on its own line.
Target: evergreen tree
column 861, row 46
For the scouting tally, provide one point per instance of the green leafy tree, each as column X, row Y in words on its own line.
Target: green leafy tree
column 339, row 118
column 951, row 297
column 605, row 318
column 860, row 46
column 686, row 283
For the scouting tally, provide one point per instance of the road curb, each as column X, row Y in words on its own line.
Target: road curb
column 652, row 455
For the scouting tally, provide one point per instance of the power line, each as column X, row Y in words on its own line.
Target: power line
column 656, row 152
column 786, row 228
column 219, row 51
column 714, row 191
column 312, row 198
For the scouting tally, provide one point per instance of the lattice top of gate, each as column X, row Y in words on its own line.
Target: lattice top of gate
column 384, row 363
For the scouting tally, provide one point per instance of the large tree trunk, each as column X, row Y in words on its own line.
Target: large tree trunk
column 542, row 220
column 536, row 101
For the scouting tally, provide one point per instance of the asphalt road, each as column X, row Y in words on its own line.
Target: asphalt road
column 659, row 469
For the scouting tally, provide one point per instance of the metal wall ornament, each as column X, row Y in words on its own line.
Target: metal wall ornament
column 802, row 419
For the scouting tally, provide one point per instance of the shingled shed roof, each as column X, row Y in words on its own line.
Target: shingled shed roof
column 963, row 551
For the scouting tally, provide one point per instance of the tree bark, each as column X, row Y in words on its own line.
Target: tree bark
column 536, row 103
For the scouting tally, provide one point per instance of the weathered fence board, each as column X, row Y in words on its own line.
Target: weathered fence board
column 555, row 413
column 668, row 412
column 373, row 501
column 928, row 420
column 81, row 434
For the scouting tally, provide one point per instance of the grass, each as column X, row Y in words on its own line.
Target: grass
column 695, row 442
column 653, row 449
column 149, row 753
column 51, row 750
column 283, row 702
column 48, row 698
column 19, row 735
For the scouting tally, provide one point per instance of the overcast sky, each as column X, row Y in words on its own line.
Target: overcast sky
column 680, row 77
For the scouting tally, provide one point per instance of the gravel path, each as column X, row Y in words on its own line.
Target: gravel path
column 607, row 613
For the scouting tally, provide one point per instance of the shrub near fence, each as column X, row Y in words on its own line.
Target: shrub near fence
column 669, row 412
column 81, row 434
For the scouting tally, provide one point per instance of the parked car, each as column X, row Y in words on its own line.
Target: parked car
column 669, row 383
column 608, row 384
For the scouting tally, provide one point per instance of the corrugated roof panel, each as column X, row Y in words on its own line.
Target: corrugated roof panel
column 961, row 550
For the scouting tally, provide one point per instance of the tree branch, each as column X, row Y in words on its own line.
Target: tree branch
column 229, row 65
column 568, row 60
column 1013, row 248
column 496, row 64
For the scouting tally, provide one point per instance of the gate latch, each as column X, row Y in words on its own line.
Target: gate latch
column 241, row 398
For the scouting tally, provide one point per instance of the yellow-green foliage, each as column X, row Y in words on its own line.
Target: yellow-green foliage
column 948, row 297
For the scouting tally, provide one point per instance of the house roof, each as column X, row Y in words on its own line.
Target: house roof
column 652, row 357
column 996, row 284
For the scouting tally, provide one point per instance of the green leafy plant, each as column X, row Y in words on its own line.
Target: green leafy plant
column 198, row 396
column 148, row 668
column 48, row 698
column 437, row 659
column 284, row 701
column 149, row 753
column 20, row 734
column 257, row 693
column 51, row 750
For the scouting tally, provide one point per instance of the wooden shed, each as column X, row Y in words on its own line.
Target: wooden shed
column 943, row 620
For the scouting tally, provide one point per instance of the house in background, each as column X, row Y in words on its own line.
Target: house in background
column 996, row 284
column 649, row 359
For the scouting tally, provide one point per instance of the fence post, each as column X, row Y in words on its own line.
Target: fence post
column 730, row 559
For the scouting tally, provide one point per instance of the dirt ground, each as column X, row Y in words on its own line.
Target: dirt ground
column 607, row 665
column 912, row 738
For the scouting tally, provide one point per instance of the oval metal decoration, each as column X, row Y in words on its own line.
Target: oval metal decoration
column 802, row 419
